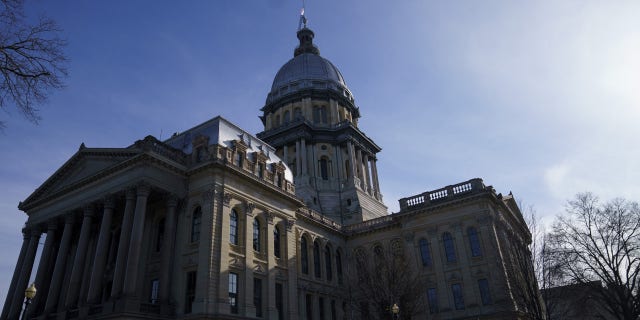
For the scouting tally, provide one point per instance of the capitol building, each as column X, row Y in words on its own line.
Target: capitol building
column 288, row 223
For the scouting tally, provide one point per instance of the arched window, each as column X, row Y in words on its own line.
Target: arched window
column 316, row 114
column 378, row 255
column 474, row 242
column 233, row 227
column 339, row 266
column 256, row 235
column 276, row 241
column 323, row 114
column 196, row 220
column 424, row 252
column 316, row 260
column 449, row 249
column 324, row 168
column 287, row 117
column 327, row 263
column 297, row 114
column 277, row 124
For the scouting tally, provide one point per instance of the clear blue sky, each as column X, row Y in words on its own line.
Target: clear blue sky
column 541, row 98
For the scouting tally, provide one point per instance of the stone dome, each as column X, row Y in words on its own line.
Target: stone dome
column 307, row 71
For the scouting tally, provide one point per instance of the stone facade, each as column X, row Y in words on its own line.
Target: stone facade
column 215, row 223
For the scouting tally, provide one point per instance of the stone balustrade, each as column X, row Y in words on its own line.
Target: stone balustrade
column 446, row 193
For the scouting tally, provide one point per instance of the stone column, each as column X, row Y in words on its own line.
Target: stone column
column 352, row 158
column 250, row 309
column 359, row 167
column 367, row 176
column 303, row 152
column 167, row 249
column 269, row 308
column 298, row 159
column 376, row 182
column 42, row 278
column 291, row 289
column 102, row 252
column 78, row 263
column 123, row 244
column 16, row 275
column 135, row 244
column 60, row 266
column 25, row 274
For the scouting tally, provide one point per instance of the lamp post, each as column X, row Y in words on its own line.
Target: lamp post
column 395, row 310
column 29, row 294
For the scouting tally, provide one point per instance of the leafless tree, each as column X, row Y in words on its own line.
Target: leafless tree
column 381, row 279
column 32, row 60
column 601, row 242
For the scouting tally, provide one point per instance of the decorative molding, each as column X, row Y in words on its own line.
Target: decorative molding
column 226, row 198
column 269, row 216
column 290, row 224
column 249, row 206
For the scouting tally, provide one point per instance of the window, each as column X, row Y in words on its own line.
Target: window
column 257, row 296
column 321, row 308
column 196, row 219
column 239, row 158
column 304, row 256
column 260, row 170
column 190, row 293
column 323, row 114
column 485, row 295
column 324, row 168
column 458, row 299
column 256, row 234
column 279, row 301
column 327, row 263
column 287, row 117
column 233, row 227
column 155, row 286
column 297, row 113
column 449, row 249
column 276, row 242
column 279, row 179
column 474, row 242
column 424, row 252
column 277, row 124
column 233, row 292
column 309, row 306
column 339, row 266
column 432, row 297
column 160, row 235
column 378, row 255
column 316, row 260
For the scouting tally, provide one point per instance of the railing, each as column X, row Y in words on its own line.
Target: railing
column 318, row 217
column 369, row 224
column 446, row 193
column 296, row 122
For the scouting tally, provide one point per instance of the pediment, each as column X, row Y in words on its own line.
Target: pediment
column 83, row 165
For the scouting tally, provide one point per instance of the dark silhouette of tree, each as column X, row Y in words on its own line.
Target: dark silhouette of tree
column 381, row 278
column 601, row 242
column 32, row 60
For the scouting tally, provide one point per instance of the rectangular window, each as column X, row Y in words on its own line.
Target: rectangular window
column 260, row 170
column 155, row 286
column 233, row 292
column 257, row 296
column 321, row 308
column 432, row 297
column 190, row 292
column 279, row 301
column 485, row 295
column 309, row 306
column 458, row 298
column 239, row 159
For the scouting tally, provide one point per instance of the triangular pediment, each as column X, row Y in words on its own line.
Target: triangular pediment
column 86, row 163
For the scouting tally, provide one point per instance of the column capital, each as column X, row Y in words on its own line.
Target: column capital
column 172, row 200
column 143, row 189
column 52, row 224
column 130, row 193
column 109, row 202
column 88, row 210
column 69, row 218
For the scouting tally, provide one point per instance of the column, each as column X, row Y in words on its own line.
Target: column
column 135, row 244
column 340, row 174
column 249, row 309
column 303, row 146
column 16, row 275
column 167, row 249
column 78, row 263
column 376, row 182
column 42, row 278
column 25, row 274
column 352, row 158
column 60, row 266
column 102, row 252
column 298, row 159
column 359, row 167
column 367, row 173
column 123, row 244
column 314, row 162
column 269, row 308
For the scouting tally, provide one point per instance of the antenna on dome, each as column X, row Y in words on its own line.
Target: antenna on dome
column 303, row 20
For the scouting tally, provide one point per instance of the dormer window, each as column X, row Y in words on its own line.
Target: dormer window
column 260, row 170
column 239, row 158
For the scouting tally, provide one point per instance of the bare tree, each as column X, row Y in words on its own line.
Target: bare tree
column 601, row 242
column 32, row 60
column 380, row 280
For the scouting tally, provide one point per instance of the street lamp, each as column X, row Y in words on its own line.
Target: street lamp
column 395, row 310
column 29, row 293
